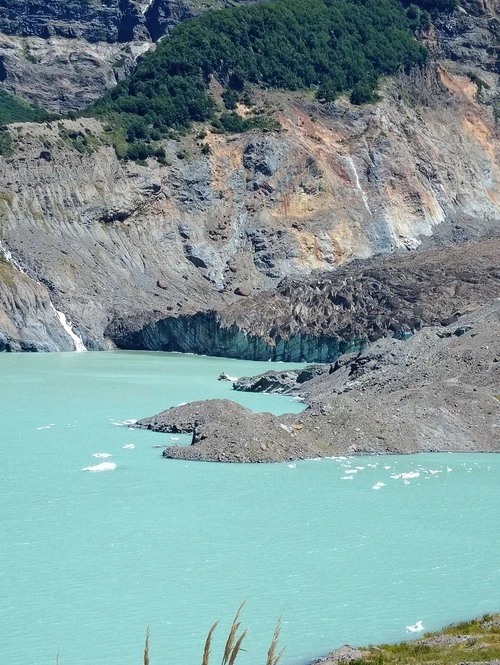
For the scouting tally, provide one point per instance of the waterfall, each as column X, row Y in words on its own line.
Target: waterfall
column 61, row 317
column 10, row 259
column 358, row 184
column 77, row 341
column 146, row 6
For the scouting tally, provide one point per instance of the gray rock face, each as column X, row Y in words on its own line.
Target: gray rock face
column 268, row 272
column 27, row 320
column 96, row 21
column 30, row 67
column 278, row 382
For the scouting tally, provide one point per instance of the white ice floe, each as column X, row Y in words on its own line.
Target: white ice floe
column 346, row 478
column 291, row 466
column 406, row 476
column 103, row 466
column 102, row 455
column 378, row 485
column 351, row 471
column 416, row 628
column 434, row 471
column 128, row 446
column 174, row 438
column 46, row 426
column 124, row 423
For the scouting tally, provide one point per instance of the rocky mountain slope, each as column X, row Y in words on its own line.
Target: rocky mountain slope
column 437, row 392
column 63, row 55
column 181, row 254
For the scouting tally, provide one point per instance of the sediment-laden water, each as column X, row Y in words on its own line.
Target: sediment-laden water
column 346, row 550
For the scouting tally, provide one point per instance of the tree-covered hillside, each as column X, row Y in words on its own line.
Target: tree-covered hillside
column 333, row 46
column 13, row 109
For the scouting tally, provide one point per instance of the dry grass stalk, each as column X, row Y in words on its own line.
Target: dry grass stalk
column 146, row 648
column 232, row 635
column 237, row 647
column 208, row 642
column 272, row 656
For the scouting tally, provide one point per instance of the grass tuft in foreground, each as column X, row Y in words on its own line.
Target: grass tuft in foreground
column 476, row 641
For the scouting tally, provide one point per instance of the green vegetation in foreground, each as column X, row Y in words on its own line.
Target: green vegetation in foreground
column 13, row 109
column 469, row 641
column 333, row 46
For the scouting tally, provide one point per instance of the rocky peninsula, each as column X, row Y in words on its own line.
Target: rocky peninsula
column 438, row 391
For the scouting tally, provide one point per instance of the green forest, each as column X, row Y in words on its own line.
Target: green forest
column 13, row 109
column 332, row 46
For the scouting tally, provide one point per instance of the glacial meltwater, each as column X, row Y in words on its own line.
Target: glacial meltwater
column 344, row 550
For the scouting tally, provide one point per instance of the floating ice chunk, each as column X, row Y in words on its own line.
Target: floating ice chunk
column 434, row 471
column 103, row 466
column 406, row 476
column 378, row 485
column 124, row 423
column 128, row 446
column 416, row 628
column 360, row 468
column 351, row 471
column 291, row 466
column 346, row 478
column 387, row 467
column 174, row 438
column 102, row 455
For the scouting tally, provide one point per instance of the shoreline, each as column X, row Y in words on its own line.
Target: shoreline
column 454, row 643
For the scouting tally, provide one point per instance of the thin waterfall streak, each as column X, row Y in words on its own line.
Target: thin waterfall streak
column 77, row 340
column 61, row 317
column 358, row 184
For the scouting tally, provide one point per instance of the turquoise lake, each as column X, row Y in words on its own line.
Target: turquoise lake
column 345, row 550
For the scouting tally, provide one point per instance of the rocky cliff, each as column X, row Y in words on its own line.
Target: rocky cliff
column 167, row 256
column 249, row 245
column 63, row 55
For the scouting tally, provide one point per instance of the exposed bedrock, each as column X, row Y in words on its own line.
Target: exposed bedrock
column 28, row 321
column 256, row 249
column 279, row 382
column 106, row 21
column 64, row 54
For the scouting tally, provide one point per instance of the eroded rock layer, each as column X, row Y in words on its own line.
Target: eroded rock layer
column 184, row 255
